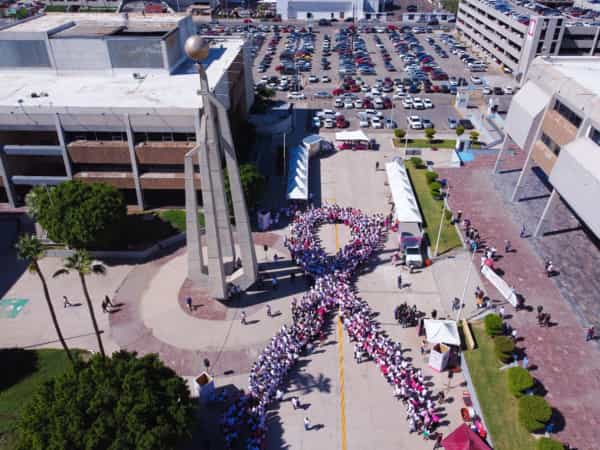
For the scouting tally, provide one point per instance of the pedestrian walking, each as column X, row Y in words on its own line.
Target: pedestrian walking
column 456, row 304
column 441, row 397
column 188, row 302
column 501, row 311
column 104, row 306
column 525, row 362
column 279, row 395
column 438, row 441
column 108, row 302
column 269, row 313
column 306, row 423
column 507, row 247
column 514, row 334
column 376, row 166
column 295, row 402
column 423, row 348
column 243, row 317
column 590, row 334
column 66, row 302
column 399, row 281
column 523, row 232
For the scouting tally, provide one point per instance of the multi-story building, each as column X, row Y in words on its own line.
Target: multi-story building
column 330, row 9
column 555, row 118
column 105, row 98
column 514, row 35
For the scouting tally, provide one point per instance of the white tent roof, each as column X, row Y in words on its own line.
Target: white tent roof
column 407, row 208
column 442, row 332
column 297, row 185
column 356, row 135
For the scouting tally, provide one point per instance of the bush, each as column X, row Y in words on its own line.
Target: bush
column 493, row 324
column 122, row 402
column 474, row 135
column 519, row 380
column 434, row 189
column 460, row 130
column 431, row 177
column 448, row 215
column 417, row 162
column 534, row 412
column 548, row 444
column 504, row 348
column 399, row 133
column 430, row 134
column 80, row 215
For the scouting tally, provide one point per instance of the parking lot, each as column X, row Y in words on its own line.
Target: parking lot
column 443, row 107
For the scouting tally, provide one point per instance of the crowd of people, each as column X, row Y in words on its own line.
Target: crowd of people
column 331, row 292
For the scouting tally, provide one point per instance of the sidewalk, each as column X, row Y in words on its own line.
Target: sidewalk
column 567, row 366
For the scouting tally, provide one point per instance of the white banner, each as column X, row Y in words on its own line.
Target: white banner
column 507, row 292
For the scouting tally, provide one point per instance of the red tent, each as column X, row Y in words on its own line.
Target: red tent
column 463, row 438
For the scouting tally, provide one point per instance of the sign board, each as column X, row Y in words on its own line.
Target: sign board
column 507, row 292
column 531, row 30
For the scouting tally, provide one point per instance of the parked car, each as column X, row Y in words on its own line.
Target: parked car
column 322, row 94
column 452, row 122
column 296, row 96
column 508, row 90
column 376, row 122
column 476, row 79
column 415, row 122
column 466, row 124
column 427, row 103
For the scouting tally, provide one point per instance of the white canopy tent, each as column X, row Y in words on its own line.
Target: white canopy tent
column 442, row 331
column 297, row 184
column 356, row 135
column 407, row 208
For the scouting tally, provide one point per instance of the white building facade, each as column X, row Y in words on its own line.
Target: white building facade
column 330, row 9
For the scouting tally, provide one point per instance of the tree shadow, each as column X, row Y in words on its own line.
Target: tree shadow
column 17, row 364
column 558, row 420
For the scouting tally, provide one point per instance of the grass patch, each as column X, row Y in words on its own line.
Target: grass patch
column 500, row 407
column 29, row 369
column 176, row 217
column 432, row 211
column 437, row 143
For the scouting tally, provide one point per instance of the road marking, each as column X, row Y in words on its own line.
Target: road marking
column 340, row 336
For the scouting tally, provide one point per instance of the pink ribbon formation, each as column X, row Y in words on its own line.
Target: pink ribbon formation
column 245, row 421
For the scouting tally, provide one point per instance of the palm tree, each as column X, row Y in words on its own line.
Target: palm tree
column 30, row 249
column 82, row 263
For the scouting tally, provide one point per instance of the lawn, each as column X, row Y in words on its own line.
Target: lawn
column 432, row 212
column 424, row 143
column 498, row 404
column 28, row 370
column 176, row 217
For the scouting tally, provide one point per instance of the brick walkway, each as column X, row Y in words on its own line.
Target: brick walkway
column 129, row 331
column 567, row 366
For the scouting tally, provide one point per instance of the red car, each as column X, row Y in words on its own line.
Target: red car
column 335, row 92
column 355, row 88
column 387, row 103
column 341, row 123
column 247, row 20
column 345, row 146
column 367, row 104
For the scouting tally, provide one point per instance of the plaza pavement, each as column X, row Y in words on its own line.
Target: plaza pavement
column 566, row 365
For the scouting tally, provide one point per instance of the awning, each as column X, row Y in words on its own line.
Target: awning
column 356, row 135
column 297, row 185
column 407, row 208
column 463, row 438
column 442, row 332
column 527, row 104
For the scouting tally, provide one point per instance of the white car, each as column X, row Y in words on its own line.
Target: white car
column 329, row 123
column 326, row 79
column 296, row 95
column 363, row 122
column 407, row 103
column 338, row 103
column 476, row 80
column 348, row 104
column 373, row 113
column 317, row 122
column 487, row 90
column 365, row 88
column 376, row 122
column 358, row 103
column 508, row 90
column 375, row 92
column 414, row 122
column 417, row 103
column 313, row 79
column 427, row 103
column 399, row 95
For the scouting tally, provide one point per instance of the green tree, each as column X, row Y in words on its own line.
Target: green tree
column 253, row 185
column 430, row 134
column 21, row 13
column 79, row 215
column 118, row 403
column 474, row 135
column 30, row 249
column 81, row 263
column 399, row 133
column 460, row 130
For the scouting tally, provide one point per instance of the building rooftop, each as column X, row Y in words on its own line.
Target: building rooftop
column 55, row 22
column 116, row 90
column 583, row 70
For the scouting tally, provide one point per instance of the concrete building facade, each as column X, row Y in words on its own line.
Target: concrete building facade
column 106, row 98
column 514, row 35
column 555, row 118
column 329, row 9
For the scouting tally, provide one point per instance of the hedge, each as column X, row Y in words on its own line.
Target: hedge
column 534, row 412
column 519, row 380
column 418, row 162
column 431, row 177
column 549, row 444
column 504, row 347
column 493, row 324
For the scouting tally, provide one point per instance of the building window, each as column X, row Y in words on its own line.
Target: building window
column 553, row 146
column 556, row 34
column 567, row 113
column 552, row 48
column 595, row 136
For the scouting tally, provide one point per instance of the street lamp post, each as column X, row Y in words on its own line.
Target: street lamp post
column 445, row 204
